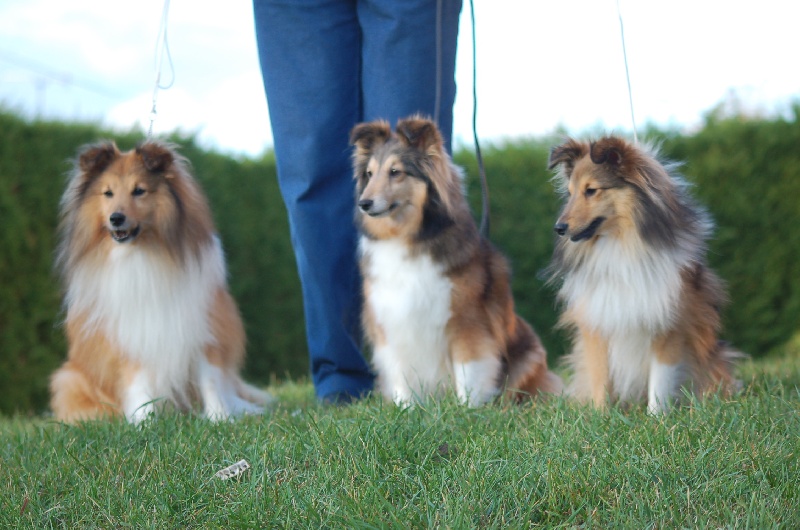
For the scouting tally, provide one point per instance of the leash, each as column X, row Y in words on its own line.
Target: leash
column 162, row 48
column 438, row 101
column 484, row 226
column 627, row 74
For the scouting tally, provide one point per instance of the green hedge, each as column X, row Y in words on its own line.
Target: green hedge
column 747, row 172
column 32, row 162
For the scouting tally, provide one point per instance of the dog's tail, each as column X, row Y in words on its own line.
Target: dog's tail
column 722, row 367
column 527, row 373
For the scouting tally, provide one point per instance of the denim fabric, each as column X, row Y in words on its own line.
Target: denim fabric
column 328, row 65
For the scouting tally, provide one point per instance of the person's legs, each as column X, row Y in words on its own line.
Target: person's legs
column 402, row 52
column 310, row 62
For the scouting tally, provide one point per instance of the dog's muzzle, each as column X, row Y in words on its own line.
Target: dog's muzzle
column 368, row 206
column 119, row 231
column 562, row 228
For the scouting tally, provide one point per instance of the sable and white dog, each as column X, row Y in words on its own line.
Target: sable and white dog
column 438, row 309
column 644, row 306
column 149, row 318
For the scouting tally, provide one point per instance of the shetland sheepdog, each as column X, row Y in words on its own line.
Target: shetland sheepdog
column 149, row 318
column 636, row 290
column 438, row 310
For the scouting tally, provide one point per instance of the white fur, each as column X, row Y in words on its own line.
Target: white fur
column 629, row 356
column 138, row 401
column 476, row 381
column 664, row 381
column 623, row 288
column 219, row 393
column 154, row 310
column 627, row 292
column 410, row 298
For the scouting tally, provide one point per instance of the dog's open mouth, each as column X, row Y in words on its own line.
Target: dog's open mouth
column 589, row 231
column 122, row 236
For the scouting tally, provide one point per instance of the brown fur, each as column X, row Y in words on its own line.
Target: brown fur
column 409, row 191
column 628, row 223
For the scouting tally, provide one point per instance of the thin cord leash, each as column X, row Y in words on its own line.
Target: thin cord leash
column 162, row 48
column 484, row 226
column 438, row 102
column 627, row 74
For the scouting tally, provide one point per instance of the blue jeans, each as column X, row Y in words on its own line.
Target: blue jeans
column 328, row 65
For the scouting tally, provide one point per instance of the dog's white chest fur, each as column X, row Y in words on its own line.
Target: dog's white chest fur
column 409, row 297
column 153, row 310
column 627, row 295
column 619, row 289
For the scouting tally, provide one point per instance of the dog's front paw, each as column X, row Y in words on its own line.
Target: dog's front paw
column 141, row 413
column 403, row 398
column 233, row 408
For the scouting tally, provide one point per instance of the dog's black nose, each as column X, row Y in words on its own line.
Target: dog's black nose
column 117, row 219
column 365, row 204
column 561, row 228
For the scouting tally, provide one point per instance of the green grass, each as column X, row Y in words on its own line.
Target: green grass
column 715, row 463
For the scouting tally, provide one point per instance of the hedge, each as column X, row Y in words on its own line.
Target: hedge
column 745, row 170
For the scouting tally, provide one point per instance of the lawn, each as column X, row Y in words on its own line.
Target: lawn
column 709, row 464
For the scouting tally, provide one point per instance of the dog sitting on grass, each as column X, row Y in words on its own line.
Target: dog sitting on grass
column 438, row 309
column 636, row 289
column 150, row 320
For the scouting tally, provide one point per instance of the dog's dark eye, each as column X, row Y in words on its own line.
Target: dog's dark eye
column 368, row 174
column 108, row 193
column 137, row 191
column 394, row 172
column 590, row 191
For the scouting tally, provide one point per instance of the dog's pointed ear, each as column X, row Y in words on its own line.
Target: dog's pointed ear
column 609, row 150
column 419, row 133
column 566, row 153
column 365, row 136
column 156, row 157
column 422, row 135
column 94, row 159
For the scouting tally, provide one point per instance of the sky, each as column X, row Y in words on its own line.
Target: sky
column 541, row 66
